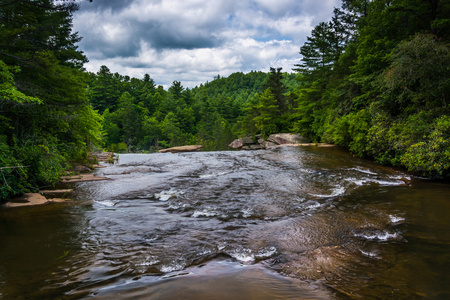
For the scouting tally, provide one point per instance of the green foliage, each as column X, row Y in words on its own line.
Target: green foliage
column 46, row 121
column 350, row 131
column 432, row 155
column 146, row 118
column 386, row 95
column 266, row 111
column 418, row 77
column 118, row 148
column 12, row 173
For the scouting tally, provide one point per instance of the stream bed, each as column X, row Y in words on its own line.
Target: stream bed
column 287, row 223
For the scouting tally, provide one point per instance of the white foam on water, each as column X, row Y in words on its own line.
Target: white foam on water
column 166, row 195
column 172, row 268
column 365, row 171
column 400, row 177
column 178, row 206
column 314, row 206
column 246, row 256
column 243, row 255
column 383, row 182
column 203, row 213
column 335, row 192
column 108, row 203
column 396, row 219
column 369, row 254
column 213, row 175
column 221, row 247
column 389, row 182
column 247, row 213
column 381, row 236
column 266, row 253
column 149, row 261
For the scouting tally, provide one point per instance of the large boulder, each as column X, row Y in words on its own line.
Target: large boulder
column 236, row 144
column 258, row 142
column 244, row 142
column 189, row 148
column 285, row 138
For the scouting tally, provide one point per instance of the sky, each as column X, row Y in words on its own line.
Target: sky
column 193, row 41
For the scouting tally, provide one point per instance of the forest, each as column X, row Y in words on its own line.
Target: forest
column 375, row 79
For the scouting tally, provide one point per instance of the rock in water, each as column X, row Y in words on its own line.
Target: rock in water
column 285, row 138
column 189, row 148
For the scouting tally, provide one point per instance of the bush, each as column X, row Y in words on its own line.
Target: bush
column 12, row 174
column 431, row 156
column 118, row 148
column 350, row 131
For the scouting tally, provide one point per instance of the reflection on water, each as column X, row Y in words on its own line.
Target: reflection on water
column 290, row 223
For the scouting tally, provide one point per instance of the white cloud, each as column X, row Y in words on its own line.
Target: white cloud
column 194, row 40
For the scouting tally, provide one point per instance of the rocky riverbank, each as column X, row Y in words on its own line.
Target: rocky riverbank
column 77, row 174
column 273, row 141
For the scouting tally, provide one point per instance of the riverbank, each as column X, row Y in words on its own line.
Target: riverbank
column 276, row 140
column 77, row 174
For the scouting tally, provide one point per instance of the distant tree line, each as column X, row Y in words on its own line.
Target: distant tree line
column 140, row 116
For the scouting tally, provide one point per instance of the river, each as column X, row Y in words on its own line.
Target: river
column 287, row 223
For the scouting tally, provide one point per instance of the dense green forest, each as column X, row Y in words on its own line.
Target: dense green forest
column 46, row 120
column 139, row 116
column 375, row 79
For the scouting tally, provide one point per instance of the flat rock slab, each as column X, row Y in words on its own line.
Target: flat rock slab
column 82, row 178
column 320, row 145
column 98, row 166
column 64, row 193
column 30, row 199
column 189, row 148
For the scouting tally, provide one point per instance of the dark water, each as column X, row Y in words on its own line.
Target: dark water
column 290, row 223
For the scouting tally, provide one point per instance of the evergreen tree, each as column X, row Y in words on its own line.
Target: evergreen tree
column 51, row 123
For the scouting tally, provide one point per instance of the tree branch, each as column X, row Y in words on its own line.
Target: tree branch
column 14, row 167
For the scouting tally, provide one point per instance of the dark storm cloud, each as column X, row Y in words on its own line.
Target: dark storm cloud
column 194, row 40
column 116, row 31
column 176, row 35
column 103, row 5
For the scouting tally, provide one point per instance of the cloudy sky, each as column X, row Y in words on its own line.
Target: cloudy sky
column 194, row 40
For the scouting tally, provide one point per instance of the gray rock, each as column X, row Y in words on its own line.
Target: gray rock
column 257, row 142
column 285, row 138
column 268, row 145
column 256, row 147
column 236, row 144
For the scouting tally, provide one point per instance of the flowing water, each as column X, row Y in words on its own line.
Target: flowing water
column 288, row 223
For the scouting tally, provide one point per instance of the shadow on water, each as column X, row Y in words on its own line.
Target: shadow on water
column 290, row 223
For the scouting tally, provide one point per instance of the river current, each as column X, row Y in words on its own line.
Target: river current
column 287, row 223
